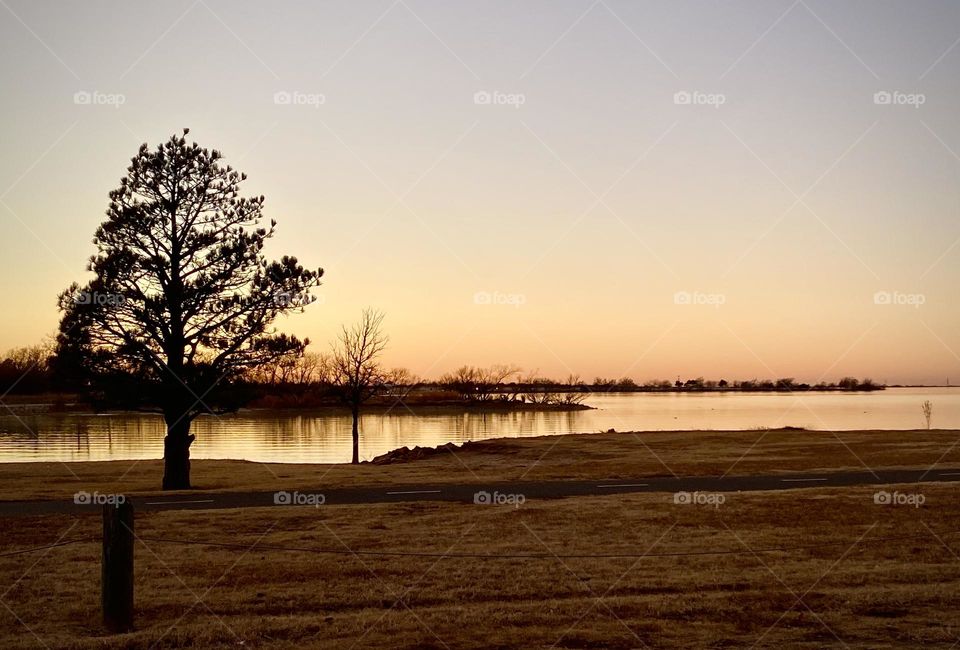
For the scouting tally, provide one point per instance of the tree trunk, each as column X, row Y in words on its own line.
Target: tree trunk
column 356, row 435
column 176, row 453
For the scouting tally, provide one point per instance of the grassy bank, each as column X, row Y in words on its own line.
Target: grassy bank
column 593, row 456
column 867, row 575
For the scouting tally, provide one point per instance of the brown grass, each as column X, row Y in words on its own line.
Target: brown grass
column 593, row 456
column 856, row 590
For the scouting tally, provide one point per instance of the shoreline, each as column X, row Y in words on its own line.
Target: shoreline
column 583, row 456
column 430, row 450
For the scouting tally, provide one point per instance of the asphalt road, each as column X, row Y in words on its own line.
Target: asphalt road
column 495, row 492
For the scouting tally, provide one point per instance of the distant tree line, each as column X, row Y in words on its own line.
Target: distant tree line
column 27, row 370
column 509, row 383
column 700, row 385
column 312, row 378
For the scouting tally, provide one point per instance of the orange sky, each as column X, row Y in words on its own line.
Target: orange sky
column 722, row 189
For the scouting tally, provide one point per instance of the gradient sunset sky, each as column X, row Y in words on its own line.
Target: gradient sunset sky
column 643, row 189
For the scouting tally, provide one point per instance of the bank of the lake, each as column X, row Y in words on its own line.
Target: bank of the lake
column 600, row 456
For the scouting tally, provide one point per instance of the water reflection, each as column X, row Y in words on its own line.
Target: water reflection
column 286, row 436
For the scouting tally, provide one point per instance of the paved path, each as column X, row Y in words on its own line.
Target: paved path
column 467, row 492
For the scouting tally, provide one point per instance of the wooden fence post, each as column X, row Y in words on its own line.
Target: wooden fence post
column 116, row 596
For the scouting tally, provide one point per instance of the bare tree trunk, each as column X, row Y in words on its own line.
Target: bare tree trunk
column 176, row 452
column 356, row 434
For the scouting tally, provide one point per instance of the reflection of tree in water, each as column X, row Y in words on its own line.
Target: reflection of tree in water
column 79, row 437
column 267, row 435
column 324, row 437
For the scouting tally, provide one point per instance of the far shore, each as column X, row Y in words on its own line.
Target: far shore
column 603, row 456
column 66, row 403
column 396, row 407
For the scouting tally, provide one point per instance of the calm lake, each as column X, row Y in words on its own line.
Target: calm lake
column 314, row 437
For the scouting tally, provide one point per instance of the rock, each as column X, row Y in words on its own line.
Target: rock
column 406, row 455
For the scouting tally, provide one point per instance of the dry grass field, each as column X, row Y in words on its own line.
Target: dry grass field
column 853, row 574
column 806, row 568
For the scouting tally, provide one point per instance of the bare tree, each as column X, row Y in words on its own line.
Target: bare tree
column 26, row 369
column 312, row 368
column 479, row 384
column 402, row 377
column 491, row 379
column 463, row 380
column 355, row 366
column 927, row 411
column 303, row 369
column 33, row 356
